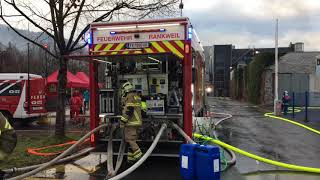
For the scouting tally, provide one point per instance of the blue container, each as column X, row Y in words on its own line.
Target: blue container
column 187, row 161
column 208, row 163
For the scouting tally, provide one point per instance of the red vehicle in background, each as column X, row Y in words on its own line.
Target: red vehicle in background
column 14, row 92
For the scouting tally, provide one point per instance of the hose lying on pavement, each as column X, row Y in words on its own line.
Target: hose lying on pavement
column 230, row 152
column 265, row 160
column 228, row 116
column 259, row 158
column 55, row 160
column 28, row 168
column 292, row 122
column 233, row 160
column 110, row 151
column 143, row 158
column 122, row 148
column 111, row 171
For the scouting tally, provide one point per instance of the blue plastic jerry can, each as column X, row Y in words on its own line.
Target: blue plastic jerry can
column 207, row 163
column 187, row 161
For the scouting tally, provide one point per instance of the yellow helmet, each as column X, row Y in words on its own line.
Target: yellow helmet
column 127, row 87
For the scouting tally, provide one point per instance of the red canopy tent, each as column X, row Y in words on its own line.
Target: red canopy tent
column 73, row 81
column 84, row 77
column 81, row 75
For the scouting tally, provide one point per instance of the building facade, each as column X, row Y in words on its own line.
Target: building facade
column 208, row 53
column 222, row 56
column 297, row 73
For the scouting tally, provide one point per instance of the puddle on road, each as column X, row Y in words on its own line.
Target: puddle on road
column 77, row 170
column 88, row 168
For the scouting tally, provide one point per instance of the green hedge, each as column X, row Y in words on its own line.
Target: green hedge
column 253, row 75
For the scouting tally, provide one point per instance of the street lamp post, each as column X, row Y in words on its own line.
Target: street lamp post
column 276, row 88
column 28, row 82
column 46, row 59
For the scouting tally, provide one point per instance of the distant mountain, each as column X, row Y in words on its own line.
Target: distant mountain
column 8, row 35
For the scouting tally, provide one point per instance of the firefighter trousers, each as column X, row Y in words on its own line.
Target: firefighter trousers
column 131, row 136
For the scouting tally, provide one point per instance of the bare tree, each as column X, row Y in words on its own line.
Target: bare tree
column 65, row 22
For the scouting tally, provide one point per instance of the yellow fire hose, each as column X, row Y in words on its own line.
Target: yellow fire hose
column 293, row 122
column 262, row 159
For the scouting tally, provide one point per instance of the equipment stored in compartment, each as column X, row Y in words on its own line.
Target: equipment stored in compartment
column 155, row 107
column 151, row 77
column 107, row 101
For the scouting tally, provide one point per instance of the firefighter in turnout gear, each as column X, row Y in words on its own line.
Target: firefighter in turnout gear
column 8, row 138
column 131, row 120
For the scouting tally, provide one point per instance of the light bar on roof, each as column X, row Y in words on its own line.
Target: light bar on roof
column 157, row 25
column 138, row 26
column 119, row 27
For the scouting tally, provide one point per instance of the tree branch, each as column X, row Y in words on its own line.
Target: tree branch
column 96, row 20
column 75, row 24
column 54, row 24
column 36, row 14
column 79, row 47
column 28, row 18
column 60, row 27
column 26, row 38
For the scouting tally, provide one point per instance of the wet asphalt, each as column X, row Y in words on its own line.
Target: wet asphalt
column 248, row 130
column 312, row 116
column 267, row 137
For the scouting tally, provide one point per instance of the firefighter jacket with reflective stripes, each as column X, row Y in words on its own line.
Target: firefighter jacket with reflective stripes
column 4, row 124
column 6, row 133
column 131, row 113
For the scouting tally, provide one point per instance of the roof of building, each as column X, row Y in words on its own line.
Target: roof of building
column 239, row 54
column 298, row 62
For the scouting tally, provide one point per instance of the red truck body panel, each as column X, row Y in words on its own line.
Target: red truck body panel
column 14, row 95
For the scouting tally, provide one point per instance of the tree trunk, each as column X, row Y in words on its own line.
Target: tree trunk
column 61, row 110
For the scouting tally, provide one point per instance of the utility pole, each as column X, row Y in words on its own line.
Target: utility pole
column 276, row 88
column 28, row 68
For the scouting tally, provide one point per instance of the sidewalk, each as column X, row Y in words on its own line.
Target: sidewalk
column 267, row 137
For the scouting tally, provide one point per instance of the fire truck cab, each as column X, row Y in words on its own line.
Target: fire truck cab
column 164, row 61
column 14, row 92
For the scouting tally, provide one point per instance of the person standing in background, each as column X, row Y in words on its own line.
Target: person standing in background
column 86, row 98
column 285, row 102
column 75, row 105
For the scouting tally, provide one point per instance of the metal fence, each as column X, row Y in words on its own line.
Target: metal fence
column 301, row 99
column 305, row 105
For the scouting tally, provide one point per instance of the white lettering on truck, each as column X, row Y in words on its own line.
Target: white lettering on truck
column 115, row 38
column 164, row 36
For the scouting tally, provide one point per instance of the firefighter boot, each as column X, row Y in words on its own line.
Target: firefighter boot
column 135, row 156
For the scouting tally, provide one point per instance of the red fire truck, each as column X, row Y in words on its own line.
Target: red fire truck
column 14, row 91
column 164, row 61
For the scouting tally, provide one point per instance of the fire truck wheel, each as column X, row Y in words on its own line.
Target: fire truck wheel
column 9, row 117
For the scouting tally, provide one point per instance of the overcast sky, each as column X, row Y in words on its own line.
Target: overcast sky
column 251, row 23
column 245, row 23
